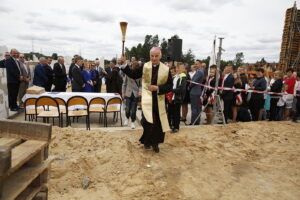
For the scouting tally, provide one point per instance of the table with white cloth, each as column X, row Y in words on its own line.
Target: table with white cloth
column 67, row 95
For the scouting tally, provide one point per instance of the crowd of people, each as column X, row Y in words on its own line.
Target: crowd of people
column 189, row 87
column 251, row 103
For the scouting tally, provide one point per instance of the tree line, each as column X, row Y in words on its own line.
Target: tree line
column 141, row 52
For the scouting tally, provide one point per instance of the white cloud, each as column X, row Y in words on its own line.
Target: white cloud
column 93, row 26
column 4, row 9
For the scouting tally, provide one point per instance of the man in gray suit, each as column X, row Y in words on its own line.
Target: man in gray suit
column 130, row 92
column 195, row 92
column 26, row 78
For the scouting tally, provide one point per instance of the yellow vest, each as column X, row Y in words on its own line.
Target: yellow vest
column 162, row 78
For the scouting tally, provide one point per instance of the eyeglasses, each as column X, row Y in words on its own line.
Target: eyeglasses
column 21, row 57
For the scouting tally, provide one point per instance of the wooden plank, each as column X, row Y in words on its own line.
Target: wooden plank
column 25, row 130
column 29, row 193
column 9, row 142
column 5, row 160
column 24, row 152
column 18, row 182
column 41, row 196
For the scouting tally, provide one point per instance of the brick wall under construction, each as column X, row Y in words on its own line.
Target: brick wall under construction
column 290, row 46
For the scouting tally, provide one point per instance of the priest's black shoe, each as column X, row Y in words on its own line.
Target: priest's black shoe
column 146, row 146
column 174, row 130
column 155, row 148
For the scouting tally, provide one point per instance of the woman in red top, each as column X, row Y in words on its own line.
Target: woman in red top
column 290, row 81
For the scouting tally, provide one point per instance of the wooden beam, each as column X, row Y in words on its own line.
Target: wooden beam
column 5, row 160
column 9, row 142
column 19, row 181
column 25, row 130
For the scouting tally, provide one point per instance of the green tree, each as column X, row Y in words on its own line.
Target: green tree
column 189, row 57
column 164, row 49
column 29, row 56
column 175, row 37
column 239, row 60
column 54, row 56
column 262, row 62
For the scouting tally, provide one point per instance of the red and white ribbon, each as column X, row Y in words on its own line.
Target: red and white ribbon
column 238, row 90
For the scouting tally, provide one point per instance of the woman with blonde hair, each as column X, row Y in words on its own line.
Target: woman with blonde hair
column 237, row 100
column 87, row 78
column 275, row 87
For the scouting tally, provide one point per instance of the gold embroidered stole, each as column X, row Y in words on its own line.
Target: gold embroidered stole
column 162, row 77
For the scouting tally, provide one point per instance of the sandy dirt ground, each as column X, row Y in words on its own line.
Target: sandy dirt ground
column 257, row 160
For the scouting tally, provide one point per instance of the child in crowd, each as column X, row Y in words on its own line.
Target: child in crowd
column 282, row 103
column 179, row 88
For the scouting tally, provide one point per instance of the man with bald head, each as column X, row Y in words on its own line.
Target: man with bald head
column 13, row 74
column 156, row 82
column 40, row 77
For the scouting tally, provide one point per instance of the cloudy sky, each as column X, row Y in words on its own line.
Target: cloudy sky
column 92, row 26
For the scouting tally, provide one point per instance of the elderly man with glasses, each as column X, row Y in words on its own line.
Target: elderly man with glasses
column 26, row 78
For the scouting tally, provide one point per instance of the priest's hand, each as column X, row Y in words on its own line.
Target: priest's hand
column 153, row 88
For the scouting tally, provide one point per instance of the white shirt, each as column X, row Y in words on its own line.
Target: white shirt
column 17, row 63
column 192, row 74
column 282, row 99
column 175, row 79
column 225, row 77
column 77, row 66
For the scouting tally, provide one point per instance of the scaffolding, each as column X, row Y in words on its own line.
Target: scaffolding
column 290, row 46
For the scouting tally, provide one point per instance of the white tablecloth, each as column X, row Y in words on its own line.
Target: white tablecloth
column 67, row 95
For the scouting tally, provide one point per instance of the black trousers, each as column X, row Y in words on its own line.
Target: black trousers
column 273, row 109
column 255, row 105
column 297, row 113
column 48, row 86
column 131, row 106
column 13, row 89
column 227, row 108
column 174, row 115
column 99, row 86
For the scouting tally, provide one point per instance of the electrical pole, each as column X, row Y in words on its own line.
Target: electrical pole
column 217, row 101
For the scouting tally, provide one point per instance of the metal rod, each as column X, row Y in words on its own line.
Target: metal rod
column 123, row 42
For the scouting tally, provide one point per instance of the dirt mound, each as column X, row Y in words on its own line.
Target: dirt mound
column 258, row 160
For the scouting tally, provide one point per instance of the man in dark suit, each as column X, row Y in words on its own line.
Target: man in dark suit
column 40, row 78
column 12, row 66
column 60, row 76
column 108, row 77
column 114, row 79
column 101, row 73
column 195, row 92
column 227, row 95
column 71, row 68
column 2, row 62
column 77, row 79
column 49, row 74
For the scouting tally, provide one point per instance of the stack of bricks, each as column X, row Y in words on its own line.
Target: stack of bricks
column 290, row 46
